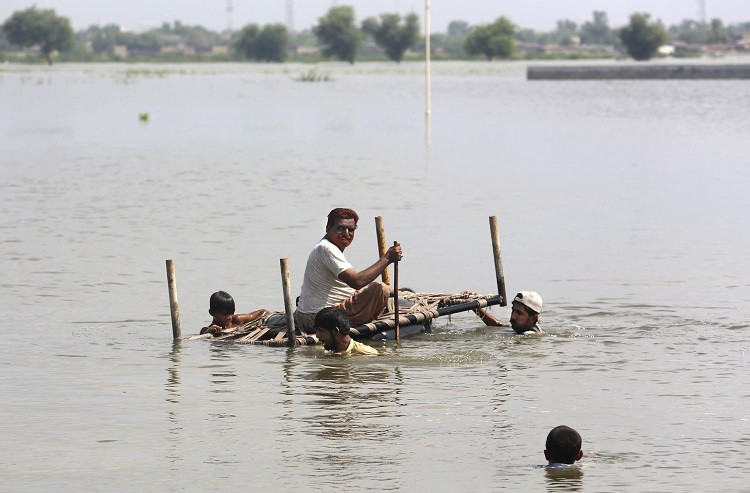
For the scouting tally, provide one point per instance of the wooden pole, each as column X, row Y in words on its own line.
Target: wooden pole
column 174, row 306
column 288, row 306
column 499, row 275
column 428, row 101
column 419, row 317
column 395, row 298
column 380, row 231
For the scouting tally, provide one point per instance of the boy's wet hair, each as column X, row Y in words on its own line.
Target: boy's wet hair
column 331, row 317
column 340, row 213
column 563, row 444
column 222, row 303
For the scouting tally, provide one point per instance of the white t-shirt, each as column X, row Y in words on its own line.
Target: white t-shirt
column 321, row 286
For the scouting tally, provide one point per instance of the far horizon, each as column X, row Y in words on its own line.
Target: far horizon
column 140, row 15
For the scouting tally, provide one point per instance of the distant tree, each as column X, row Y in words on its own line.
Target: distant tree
column 458, row 29
column 104, row 39
column 455, row 42
column 452, row 42
column 338, row 34
column 392, row 35
column 691, row 32
column 199, row 38
column 566, row 33
column 180, row 29
column 496, row 40
column 597, row 32
column 272, row 43
column 148, row 43
column 304, row 37
column 4, row 43
column 526, row 35
column 719, row 33
column 165, row 28
column 268, row 44
column 42, row 28
column 245, row 40
column 641, row 38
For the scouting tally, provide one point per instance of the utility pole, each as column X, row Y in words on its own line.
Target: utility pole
column 702, row 11
column 230, row 8
column 290, row 15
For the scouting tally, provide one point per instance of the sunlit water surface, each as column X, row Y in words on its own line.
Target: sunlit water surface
column 625, row 204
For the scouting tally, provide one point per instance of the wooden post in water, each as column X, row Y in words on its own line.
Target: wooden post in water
column 174, row 306
column 499, row 275
column 288, row 306
column 427, row 83
column 395, row 297
column 380, row 231
column 428, row 97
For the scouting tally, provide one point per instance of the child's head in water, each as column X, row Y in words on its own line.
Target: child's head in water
column 563, row 445
column 221, row 308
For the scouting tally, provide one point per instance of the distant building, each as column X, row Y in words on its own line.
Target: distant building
column 666, row 50
column 307, row 50
column 120, row 51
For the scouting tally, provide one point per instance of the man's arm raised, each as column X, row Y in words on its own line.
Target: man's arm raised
column 359, row 280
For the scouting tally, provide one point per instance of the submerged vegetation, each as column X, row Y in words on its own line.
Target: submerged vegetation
column 312, row 75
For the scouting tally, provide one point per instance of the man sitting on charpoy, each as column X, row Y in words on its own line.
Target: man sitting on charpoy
column 330, row 280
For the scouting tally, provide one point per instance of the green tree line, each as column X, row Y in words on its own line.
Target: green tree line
column 338, row 36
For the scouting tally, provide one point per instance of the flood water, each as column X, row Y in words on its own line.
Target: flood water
column 624, row 204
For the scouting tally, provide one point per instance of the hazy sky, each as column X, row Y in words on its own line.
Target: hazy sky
column 540, row 15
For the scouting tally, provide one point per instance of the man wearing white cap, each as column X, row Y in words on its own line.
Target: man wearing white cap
column 524, row 316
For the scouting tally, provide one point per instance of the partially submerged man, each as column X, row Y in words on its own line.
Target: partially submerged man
column 330, row 280
column 524, row 316
column 332, row 328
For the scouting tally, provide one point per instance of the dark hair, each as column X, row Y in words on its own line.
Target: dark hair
column 331, row 317
column 563, row 444
column 222, row 302
column 340, row 213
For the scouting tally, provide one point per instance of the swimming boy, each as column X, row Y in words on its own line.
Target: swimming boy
column 563, row 446
column 221, row 308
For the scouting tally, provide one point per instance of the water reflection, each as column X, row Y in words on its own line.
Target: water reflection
column 344, row 397
column 222, row 376
column 344, row 394
column 343, row 405
column 564, row 478
column 172, row 388
column 173, row 379
column 500, row 386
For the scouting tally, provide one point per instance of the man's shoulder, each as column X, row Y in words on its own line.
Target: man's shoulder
column 325, row 246
column 329, row 254
column 360, row 348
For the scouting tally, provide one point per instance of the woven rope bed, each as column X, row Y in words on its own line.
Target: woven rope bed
column 270, row 330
